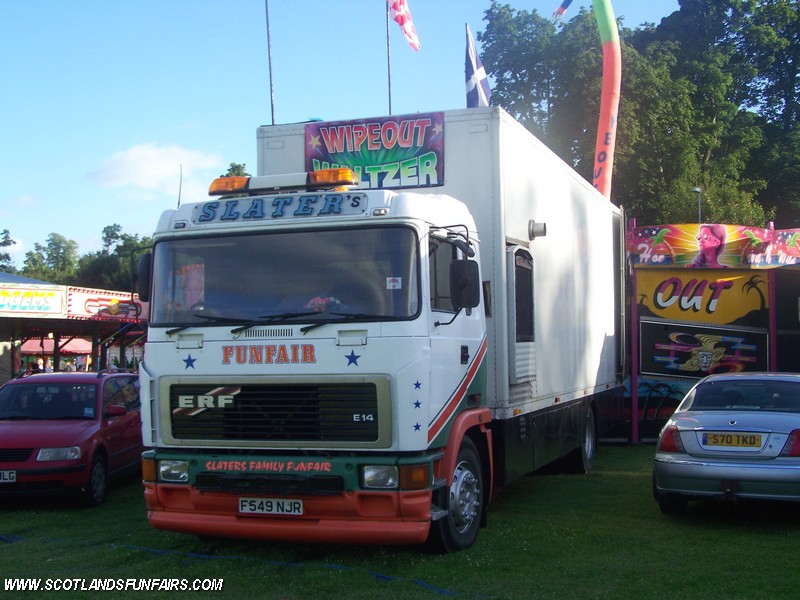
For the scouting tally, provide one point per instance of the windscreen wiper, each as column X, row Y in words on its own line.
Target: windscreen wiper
column 212, row 320
column 349, row 317
column 264, row 319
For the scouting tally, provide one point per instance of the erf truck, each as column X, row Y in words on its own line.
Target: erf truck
column 371, row 363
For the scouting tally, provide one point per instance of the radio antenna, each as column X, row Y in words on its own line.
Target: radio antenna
column 180, row 187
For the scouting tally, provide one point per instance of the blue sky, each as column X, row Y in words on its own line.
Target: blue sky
column 109, row 108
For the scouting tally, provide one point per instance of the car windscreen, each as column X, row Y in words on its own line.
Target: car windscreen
column 48, row 401
column 749, row 394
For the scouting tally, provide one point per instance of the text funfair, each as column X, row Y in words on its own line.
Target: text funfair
column 385, row 152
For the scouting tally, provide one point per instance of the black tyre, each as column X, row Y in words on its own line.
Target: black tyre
column 669, row 504
column 462, row 502
column 580, row 459
column 94, row 491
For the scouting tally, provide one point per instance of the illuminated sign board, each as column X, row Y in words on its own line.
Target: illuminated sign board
column 32, row 301
column 384, row 152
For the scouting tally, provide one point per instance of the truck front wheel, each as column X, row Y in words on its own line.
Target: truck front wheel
column 458, row 528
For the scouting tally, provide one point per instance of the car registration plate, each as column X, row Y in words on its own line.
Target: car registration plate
column 732, row 440
column 271, row 506
column 8, row 476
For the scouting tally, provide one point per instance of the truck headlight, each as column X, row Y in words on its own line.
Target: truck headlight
column 70, row 453
column 173, row 471
column 383, row 477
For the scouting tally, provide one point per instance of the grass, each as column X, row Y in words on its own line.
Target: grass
column 549, row 536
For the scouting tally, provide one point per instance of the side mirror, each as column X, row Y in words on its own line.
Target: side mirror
column 116, row 410
column 143, row 273
column 465, row 286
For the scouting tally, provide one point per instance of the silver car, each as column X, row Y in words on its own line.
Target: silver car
column 732, row 436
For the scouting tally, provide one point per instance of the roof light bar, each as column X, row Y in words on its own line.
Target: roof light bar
column 324, row 179
column 332, row 178
column 229, row 185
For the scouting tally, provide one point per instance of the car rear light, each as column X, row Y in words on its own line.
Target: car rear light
column 792, row 446
column 670, row 440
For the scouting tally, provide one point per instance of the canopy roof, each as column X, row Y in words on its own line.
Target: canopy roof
column 45, row 346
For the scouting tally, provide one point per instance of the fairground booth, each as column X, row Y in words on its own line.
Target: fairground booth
column 707, row 298
column 67, row 327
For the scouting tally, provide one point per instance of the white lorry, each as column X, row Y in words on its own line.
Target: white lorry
column 371, row 363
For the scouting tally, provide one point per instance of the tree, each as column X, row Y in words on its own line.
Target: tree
column 56, row 262
column 656, row 155
column 770, row 40
column 35, row 265
column 112, row 270
column 6, row 263
column 683, row 119
column 111, row 236
column 236, row 170
column 517, row 45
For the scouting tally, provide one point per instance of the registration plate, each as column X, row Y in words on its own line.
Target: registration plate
column 271, row 506
column 732, row 440
column 8, row 476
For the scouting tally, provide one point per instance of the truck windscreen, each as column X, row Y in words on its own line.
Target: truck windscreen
column 307, row 275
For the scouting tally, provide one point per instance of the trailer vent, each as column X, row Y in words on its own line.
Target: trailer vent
column 267, row 333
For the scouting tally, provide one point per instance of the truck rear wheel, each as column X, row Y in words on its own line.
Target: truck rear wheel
column 458, row 529
column 581, row 458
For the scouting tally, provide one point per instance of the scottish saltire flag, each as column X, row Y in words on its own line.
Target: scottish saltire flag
column 401, row 13
column 478, row 91
column 561, row 10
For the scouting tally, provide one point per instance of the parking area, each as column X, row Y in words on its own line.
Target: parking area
column 549, row 536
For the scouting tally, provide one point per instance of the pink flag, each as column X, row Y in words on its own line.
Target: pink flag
column 401, row 14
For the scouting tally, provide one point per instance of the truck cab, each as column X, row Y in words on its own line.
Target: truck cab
column 311, row 349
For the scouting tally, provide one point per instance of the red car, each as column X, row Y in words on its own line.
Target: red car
column 69, row 431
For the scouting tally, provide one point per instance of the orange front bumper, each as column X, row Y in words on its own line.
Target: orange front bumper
column 373, row 517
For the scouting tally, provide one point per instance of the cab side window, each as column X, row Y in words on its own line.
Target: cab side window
column 441, row 255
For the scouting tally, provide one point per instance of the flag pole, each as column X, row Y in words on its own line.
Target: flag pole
column 388, row 60
column 269, row 62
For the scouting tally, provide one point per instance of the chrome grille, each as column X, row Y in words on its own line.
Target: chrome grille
column 333, row 412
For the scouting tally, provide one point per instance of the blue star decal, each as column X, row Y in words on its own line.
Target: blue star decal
column 417, row 404
column 416, row 426
column 417, row 385
column 189, row 361
column 352, row 358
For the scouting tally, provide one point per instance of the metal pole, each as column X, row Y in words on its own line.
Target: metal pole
column 269, row 60
column 388, row 59
column 699, row 192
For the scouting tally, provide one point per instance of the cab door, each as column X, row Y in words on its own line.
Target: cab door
column 457, row 343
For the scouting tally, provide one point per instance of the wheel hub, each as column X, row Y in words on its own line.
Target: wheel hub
column 464, row 498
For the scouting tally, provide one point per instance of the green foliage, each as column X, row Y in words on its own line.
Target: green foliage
column 517, row 45
column 236, row 170
column 6, row 264
column 55, row 262
column 111, row 236
column 110, row 269
column 709, row 99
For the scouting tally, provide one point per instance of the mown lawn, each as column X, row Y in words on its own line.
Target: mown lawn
column 549, row 536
